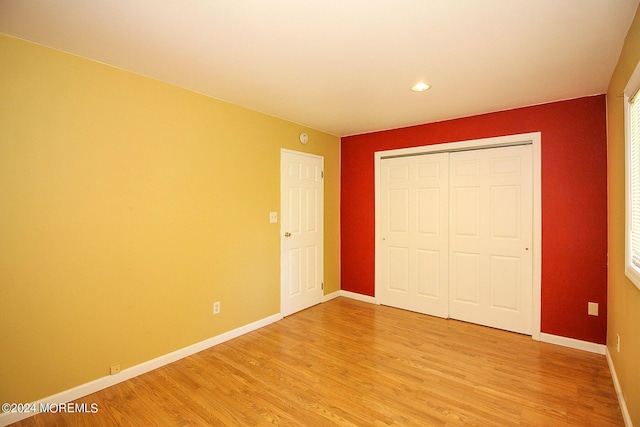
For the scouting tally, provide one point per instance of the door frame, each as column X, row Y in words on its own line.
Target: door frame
column 533, row 138
column 282, row 222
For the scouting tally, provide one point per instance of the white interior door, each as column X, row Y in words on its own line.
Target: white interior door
column 491, row 220
column 414, row 228
column 302, row 231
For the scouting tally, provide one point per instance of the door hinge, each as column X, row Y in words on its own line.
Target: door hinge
column 321, row 174
column 322, row 286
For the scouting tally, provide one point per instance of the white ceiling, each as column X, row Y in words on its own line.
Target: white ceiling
column 345, row 66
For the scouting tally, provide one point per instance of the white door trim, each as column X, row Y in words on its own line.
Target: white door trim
column 535, row 139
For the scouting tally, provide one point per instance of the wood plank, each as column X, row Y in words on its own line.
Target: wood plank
column 350, row 363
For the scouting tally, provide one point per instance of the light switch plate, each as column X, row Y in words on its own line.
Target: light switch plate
column 593, row 309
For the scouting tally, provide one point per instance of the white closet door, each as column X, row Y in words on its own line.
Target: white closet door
column 413, row 267
column 491, row 220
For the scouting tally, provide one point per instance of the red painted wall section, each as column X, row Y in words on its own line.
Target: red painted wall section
column 574, row 203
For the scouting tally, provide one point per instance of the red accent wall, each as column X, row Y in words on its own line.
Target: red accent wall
column 574, row 203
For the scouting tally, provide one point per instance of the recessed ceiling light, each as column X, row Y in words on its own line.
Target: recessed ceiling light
column 420, row 87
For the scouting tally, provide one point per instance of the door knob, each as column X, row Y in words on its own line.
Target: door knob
column 287, row 234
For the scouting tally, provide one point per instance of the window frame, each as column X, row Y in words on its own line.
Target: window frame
column 633, row 86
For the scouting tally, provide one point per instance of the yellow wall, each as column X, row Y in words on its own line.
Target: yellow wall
column 624, row 297
column 127, row 207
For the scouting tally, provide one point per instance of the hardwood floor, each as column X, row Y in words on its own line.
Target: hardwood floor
column 350, row 363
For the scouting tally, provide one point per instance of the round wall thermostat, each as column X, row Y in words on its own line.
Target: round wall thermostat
column 304, row 138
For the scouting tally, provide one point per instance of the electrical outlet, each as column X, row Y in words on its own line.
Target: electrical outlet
column 115, row 369
column 592, row 309
column 618, row 342
column 273, row 217
column 216, row 307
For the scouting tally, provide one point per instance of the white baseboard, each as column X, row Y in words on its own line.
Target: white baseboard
column 126, row 374
column 573, row 343
column 623, row 403
column 331, row 296
column 359, row 297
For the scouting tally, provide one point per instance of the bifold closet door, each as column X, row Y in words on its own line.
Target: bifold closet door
column 491, row 220
column 414, row 230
